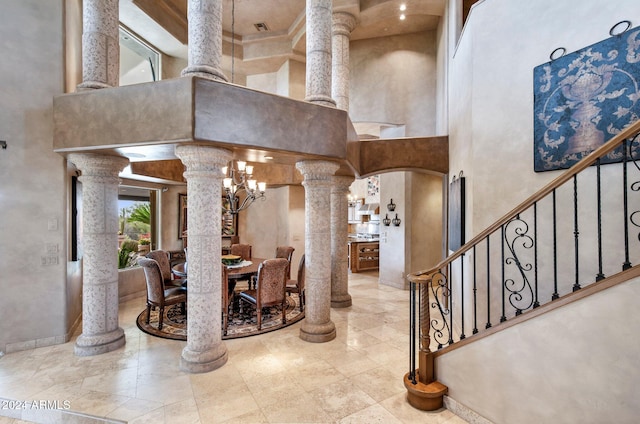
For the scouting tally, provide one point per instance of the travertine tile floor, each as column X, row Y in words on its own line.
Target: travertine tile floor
column 271, row 378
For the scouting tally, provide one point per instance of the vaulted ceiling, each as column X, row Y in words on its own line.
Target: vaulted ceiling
column 266, row 33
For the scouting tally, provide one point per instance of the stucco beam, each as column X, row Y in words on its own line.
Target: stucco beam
column 150, row 119
column 426, row 154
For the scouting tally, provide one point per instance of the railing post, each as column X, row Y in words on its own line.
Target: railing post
column 423, row 392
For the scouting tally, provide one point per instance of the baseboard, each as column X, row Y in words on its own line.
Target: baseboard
column 463, row 412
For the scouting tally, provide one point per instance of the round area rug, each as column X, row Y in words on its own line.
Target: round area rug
column 241, row 324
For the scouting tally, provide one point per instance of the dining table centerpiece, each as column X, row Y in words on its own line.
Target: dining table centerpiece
column 230, row 260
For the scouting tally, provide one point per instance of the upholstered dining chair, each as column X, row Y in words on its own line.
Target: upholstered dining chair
column 227, row 299
column 157, row 294
column 297, row 286
column 272, row 278
column 162, row 258
column 243, row 250
column 287, row 253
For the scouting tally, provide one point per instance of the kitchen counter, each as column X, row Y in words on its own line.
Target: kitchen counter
column 363, row 253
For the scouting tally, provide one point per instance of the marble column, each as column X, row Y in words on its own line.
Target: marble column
column 340, row 297
column 100, row 44
column 318, row 70
column 205, row 351
column 317, row 182
column 100, row 330
column 205, row 39
column 343, row 24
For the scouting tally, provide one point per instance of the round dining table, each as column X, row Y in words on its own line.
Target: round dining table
column 245, row 269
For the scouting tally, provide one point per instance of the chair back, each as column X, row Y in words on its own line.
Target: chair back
column 162, row 258
column 155, row 286
column 287, row 253
column 243, row 250
column 272, row 282
column 301, row 273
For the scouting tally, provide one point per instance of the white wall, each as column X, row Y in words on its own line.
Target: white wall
column 33, row 192
column 576, row 364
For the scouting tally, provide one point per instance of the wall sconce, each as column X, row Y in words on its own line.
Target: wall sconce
column 386, row 221
column 396, row 221
column 391, row 206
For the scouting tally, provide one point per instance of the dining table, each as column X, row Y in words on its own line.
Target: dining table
column 243, row 270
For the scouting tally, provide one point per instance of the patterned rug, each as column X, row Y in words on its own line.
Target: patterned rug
column 241, row 324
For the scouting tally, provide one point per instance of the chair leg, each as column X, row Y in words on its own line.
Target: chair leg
column 148, row 312
column 284, row 311
column 161, row 318
column 302, row 300
column 259, row 317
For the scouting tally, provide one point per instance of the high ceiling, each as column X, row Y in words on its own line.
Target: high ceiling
column 163, row 23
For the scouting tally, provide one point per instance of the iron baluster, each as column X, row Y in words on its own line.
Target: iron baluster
column 439, row 325
column 635, row 186
column 627, row 151
column 475, row 294
column 462, row 336
column 522, row 240
column 412, row 332
column 450, row 303
column 576, row 284
column 536, row 303
column 488, row 286
column 600, row 275
column 503, row 318
column 555, row 294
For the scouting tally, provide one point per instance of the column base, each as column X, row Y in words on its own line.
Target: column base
column 343, row 301
column 321, row 100
column 200, row 362
column 204, row 71
column 99, row 343
column 318, row 333
column 425, row 397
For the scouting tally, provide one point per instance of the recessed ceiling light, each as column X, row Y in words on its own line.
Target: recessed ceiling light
column 403, row 7
column 268, row 157
column 402, row 17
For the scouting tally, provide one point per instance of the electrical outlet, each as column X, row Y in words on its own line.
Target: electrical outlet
column 52, row 224
column 52, row 248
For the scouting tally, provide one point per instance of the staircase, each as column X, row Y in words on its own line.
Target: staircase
column 565, row 257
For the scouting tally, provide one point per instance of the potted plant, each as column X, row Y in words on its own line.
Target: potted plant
column 144, row 244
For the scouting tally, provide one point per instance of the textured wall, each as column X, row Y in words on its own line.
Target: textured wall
column 33, row 192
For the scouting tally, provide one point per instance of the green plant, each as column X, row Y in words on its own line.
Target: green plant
column 144, row 241
column 127, row 254
column 141, row 212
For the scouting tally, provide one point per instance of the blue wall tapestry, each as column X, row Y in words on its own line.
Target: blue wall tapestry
column 583, row 99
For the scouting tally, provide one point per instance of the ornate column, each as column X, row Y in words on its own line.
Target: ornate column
column 205, row 351
column 205, row 39
column 318, row 73
column 343, row 24
column 100, row 44
column 317, row 326
column 340, row 297
column 100, row 330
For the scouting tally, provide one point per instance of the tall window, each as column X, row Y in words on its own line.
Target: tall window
column 139, row 62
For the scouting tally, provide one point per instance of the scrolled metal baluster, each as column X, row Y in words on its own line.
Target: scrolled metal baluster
column 634, row 217
column 440, row 326
column 520, row 229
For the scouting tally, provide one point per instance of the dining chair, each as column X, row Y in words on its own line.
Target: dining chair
column 287, row 253
column 243, row 250
column 162, row 258
column 270, row 291
column 157, row 294
column 297, row 286
column 227, row 299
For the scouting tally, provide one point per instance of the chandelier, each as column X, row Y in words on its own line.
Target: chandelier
column 239, row 180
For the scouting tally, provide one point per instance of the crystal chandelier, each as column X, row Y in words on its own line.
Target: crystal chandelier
column 238, row 180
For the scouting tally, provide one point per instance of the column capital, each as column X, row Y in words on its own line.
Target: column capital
column 199, row 158
column 343, row 23
column 341, row 183
column 92, row 164
column 317, row 170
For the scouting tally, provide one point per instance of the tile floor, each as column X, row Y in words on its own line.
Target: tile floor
column 271, row 378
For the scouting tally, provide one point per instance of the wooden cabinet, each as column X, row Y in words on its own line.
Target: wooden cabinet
column 364, row 256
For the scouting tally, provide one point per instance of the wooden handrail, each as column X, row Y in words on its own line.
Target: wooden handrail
column 587, row 161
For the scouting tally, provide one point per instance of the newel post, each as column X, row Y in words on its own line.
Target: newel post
column 423, row 391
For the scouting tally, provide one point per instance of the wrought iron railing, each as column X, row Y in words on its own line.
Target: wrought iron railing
column 575, row 231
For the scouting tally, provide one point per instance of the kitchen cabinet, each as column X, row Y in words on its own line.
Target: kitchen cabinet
column 363, row 256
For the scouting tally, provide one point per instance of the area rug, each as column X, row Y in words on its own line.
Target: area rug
column 241, row 324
